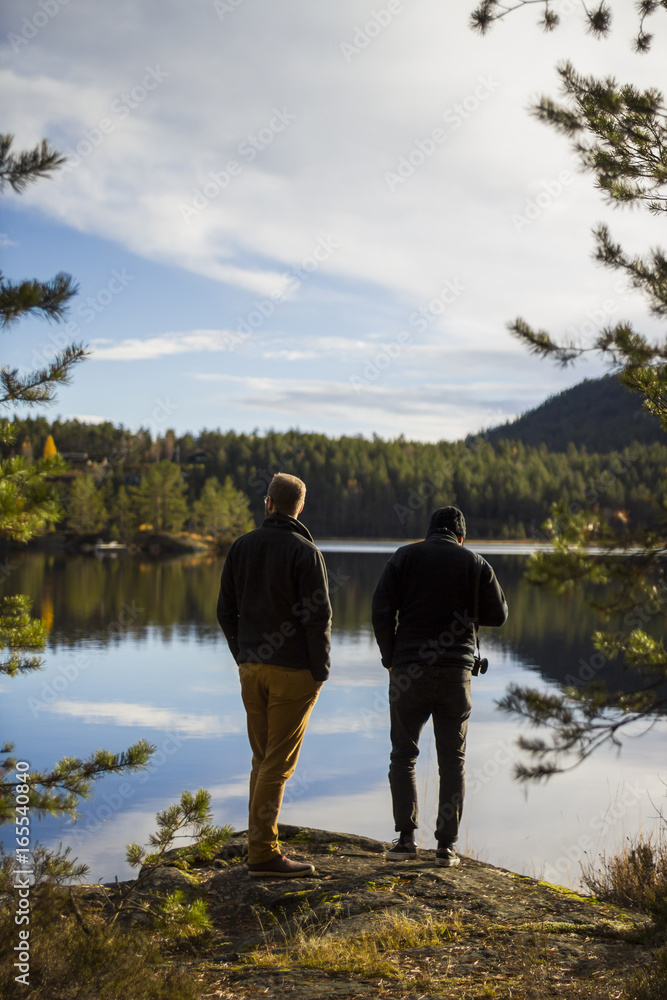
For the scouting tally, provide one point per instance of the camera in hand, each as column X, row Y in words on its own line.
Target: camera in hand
column 480, row 665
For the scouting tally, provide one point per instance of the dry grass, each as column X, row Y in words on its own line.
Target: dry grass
column 636, row 878
column 367, row 953
column 651, row 983
column 77, row 955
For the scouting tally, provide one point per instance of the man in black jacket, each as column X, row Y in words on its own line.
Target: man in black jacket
column 429, row 651
column 274, row 610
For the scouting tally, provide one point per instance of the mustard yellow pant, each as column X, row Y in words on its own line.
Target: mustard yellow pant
column 278, row 702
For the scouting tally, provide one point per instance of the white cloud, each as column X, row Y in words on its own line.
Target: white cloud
column 148, row 716
column 260, row 139
column 431, row 410
column 362, row 721
column 325, row 171
column 133, row 349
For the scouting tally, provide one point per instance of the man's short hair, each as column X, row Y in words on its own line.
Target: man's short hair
column 287, row 492
column 448, row 519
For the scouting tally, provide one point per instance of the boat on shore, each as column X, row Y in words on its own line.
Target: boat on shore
column 108, row 548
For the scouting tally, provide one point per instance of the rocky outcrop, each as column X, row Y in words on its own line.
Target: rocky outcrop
column 495, row 933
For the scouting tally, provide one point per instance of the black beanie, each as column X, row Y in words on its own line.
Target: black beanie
column 448, row 519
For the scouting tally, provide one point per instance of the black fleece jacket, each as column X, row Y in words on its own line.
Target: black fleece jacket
column 429, row 585
column 274, row 598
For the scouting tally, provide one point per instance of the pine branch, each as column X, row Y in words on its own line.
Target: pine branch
column 39, row 386
column 598, row 20
column 619, row 133
column 190, row 819
column 489, row 11
column 651, row 383
column 19, row 632
column 579, row 723
column 27, row 501
column 58, row 791
column 20, row 170
column 540, row 343
column 647, row 274
column 49, row 299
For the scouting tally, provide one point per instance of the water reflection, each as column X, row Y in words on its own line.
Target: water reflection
column 134, row 651
column 103, row 600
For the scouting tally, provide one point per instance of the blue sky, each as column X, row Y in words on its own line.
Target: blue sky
column 307, row 215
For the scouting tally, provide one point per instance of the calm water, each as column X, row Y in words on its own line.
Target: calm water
column 135, row 651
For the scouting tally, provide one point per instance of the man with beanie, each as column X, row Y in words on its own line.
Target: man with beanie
column 274, row 610
column 423, row 610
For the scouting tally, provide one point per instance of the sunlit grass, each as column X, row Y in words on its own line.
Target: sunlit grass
column 365, row 953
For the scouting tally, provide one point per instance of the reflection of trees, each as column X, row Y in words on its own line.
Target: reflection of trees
column 107, row 598
column 552, row 633
column 351, row 598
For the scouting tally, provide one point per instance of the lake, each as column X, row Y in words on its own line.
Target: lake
column 134, row 650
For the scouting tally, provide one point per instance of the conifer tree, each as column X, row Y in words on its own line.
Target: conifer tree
column 620, row 135
column 121, row 512
column 221, row 511
column 27, row 506
column 159, row 499
column 50, row 450
column 85, row 505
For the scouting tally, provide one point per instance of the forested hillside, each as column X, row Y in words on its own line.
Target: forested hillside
column 356, row 487
column 598, row 414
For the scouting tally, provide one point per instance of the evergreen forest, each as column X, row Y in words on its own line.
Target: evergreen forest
column 215, row 482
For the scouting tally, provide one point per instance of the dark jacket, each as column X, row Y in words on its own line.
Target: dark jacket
column 430, row 586
column 274, row 598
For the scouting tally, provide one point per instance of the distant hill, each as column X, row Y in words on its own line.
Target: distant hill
column 600, row 414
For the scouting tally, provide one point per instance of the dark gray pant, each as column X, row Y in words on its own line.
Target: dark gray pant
column 442, row 693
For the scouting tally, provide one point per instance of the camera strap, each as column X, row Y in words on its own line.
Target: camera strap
column 475, row 602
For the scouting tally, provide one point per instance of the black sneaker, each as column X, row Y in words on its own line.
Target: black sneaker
column 447, row 857
column 403, row 850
